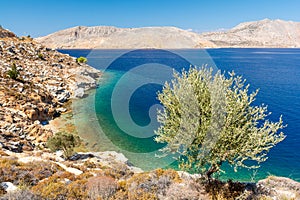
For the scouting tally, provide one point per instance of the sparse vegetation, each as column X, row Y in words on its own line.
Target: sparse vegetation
column 81, row 59
column 41, row 56
column 65, row 142
column 101, row 187
column 20, row 173
column 21, row 195
column 209, row 119
column 13, row 73
column 53, row 182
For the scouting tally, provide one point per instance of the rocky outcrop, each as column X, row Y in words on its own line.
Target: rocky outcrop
column 106, row 37
column 264, row 33
column 279, row 188
column 6, row 33
column 47, row 80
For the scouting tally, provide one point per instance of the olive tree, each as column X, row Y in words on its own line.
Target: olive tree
column 208, row 119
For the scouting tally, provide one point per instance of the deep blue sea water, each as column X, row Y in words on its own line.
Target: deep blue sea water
column 276, row 72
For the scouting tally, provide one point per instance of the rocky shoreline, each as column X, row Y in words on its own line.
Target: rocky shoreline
column 47, row 81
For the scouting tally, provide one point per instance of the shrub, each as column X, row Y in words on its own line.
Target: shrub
column 77, row 190
column 41, row 56
column 141, row 194
column 118, row 171
column 101, row 187
column 224, row 190
column 13, row 73
column 53, row 190
column 81, row 59
column 209, row 119
column 65, row 142
column 183, row 191
column 20, row 195
column 54, row 187
column 149, row 185
column 22, row 174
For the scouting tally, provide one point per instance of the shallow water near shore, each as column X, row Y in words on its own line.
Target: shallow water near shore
column 275, row 71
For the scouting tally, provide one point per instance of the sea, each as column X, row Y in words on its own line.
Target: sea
column 121, row 114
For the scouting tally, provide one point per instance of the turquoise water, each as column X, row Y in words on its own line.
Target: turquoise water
column 275, row 71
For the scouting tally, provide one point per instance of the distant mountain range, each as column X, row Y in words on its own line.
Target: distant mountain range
column 124, row 38
column 264, row 33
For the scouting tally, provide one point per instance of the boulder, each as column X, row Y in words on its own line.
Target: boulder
column 79, row 93
column 63, row 97
column 8, row 186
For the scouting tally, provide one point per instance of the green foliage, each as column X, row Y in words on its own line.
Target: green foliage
column 41, row 56
column 13, row 73
column 209, row 119
column 81, row 60
column 65, row 142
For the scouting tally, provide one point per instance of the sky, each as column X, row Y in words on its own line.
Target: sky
column 39, row 18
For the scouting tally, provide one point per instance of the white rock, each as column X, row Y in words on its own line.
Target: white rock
column 61, row 110
column 79, row 93
column 8, row 186
column 72, row 170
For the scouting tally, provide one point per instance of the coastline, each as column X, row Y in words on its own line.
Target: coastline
column 263, row 172
column 36, row 170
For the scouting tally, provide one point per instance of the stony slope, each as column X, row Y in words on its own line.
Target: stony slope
column 5, row 33
column 264, row 33
column 109, row 175
column 47, row 80
column 105, row 37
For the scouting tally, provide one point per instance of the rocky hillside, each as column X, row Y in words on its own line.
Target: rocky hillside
column 264, row 33
column 5, row 33
column 109, row 175
column 105, row 37
column 35, row 85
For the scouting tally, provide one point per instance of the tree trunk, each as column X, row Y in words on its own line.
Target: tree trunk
column 212, row 169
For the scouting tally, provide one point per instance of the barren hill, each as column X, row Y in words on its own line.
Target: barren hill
column 106, row 37
column 5, row 33
column 264, row 33
column 35, row 85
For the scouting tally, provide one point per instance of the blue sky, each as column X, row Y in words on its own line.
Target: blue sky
column 38, row 18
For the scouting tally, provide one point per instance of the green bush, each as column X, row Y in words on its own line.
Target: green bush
column 81, row 60
column 65, row 142
column 41, row 56
column 13, row 73
column 209, row 119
